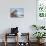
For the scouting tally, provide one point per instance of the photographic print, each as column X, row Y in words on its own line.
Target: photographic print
column 17, row 12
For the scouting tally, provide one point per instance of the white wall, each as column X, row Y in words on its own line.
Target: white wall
column 24, row 24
